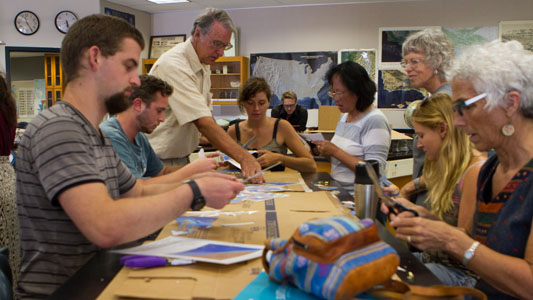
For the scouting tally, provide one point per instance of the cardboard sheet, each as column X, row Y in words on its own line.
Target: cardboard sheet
column 274, row 218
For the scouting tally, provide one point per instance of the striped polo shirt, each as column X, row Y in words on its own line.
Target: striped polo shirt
column 60, row 149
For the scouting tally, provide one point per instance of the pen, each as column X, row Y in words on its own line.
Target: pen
column 260, row 173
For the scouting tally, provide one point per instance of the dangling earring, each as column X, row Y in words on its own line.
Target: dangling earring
column 436, row 72
column 508, row 129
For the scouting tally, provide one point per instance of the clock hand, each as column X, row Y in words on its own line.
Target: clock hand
column 68, row 25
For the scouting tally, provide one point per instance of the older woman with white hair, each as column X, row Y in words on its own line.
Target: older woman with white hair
column 493, row 101
column 426, row 55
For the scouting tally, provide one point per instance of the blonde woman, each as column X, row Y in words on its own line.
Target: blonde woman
column 451, row 169
column 271, row 137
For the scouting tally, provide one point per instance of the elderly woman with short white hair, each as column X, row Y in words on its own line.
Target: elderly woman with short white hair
column 492, row 88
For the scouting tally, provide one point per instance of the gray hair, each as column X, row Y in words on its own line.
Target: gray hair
column 208, row 17
column 496, row 68
column 434, row 44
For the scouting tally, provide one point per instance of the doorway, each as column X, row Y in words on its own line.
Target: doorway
column 35, row 77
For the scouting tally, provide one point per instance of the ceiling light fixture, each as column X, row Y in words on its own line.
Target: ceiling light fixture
column 169, row 1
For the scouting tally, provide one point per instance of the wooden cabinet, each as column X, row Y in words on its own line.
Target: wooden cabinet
column 147, row 64
column 53, row 75
column 228, row 75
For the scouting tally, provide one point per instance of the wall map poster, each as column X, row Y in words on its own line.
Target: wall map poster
column 464, row 37
column 390, row 43
column 395, row 90
column 365, row 57
column 521, row 31
column 302, row 72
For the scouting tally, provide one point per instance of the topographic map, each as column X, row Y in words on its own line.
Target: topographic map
column 395, row 90
column 521, row 31
column 462, row 38
column 304, row 73
column 366, row 58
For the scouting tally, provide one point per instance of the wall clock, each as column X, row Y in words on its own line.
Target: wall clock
column 64, row 20
column 27, row 22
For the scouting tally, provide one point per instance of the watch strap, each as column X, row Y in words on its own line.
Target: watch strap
column 198, row 201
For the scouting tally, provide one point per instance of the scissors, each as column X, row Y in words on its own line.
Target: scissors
column 394, row 206
column 143, row 261
column 149, row 261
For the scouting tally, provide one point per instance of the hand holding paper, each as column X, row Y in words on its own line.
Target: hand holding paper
column 219, row 189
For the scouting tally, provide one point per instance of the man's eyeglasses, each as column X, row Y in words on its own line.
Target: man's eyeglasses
column 335, row 94
column 414, row 62
column 458, row 108
column 219, row 45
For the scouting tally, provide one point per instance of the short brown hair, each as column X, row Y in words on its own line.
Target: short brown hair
column 150, row 85
column 253, row 86
column 289, row 94
column 106, row 32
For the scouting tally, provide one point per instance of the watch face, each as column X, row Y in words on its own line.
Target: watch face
column 65, row 19
column 27, row 22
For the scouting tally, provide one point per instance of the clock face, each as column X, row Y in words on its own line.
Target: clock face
column 27, row 22
column 65, row 19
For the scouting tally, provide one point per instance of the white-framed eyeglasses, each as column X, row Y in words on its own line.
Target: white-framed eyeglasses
column 458, row 108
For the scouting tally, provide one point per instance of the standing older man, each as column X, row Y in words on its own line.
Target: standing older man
column 74, row 194
column 187, row 68
column 127, row 133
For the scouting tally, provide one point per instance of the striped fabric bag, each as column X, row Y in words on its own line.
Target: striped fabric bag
column 332, row 258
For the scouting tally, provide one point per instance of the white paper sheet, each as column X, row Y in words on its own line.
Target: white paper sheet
column 199, row 250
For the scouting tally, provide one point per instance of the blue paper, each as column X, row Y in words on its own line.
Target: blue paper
column 189, row 223
column 262, row 288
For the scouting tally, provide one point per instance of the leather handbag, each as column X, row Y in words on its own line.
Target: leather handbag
column 332, row 258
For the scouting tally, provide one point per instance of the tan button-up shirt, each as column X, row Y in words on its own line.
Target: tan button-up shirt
column 180, row 66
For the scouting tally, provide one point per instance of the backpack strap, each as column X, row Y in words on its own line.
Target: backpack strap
column 267, row 248
column 237, row 132
column 401, row 290
column 275, row 132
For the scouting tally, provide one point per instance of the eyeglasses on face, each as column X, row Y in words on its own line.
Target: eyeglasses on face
column 219, row 45
column 413, row 62
column 458, row 108
column 335, row 94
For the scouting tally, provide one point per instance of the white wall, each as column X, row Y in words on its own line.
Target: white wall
column 46, row 10
column 334, row 27
column 143, row 22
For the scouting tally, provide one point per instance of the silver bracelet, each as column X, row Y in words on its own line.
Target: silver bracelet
column 469, row 254
column 416, row 181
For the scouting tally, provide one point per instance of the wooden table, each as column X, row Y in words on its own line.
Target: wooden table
column 92, row 279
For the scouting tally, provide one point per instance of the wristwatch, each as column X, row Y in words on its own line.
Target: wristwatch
column 198, row 201
column 469, row 254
